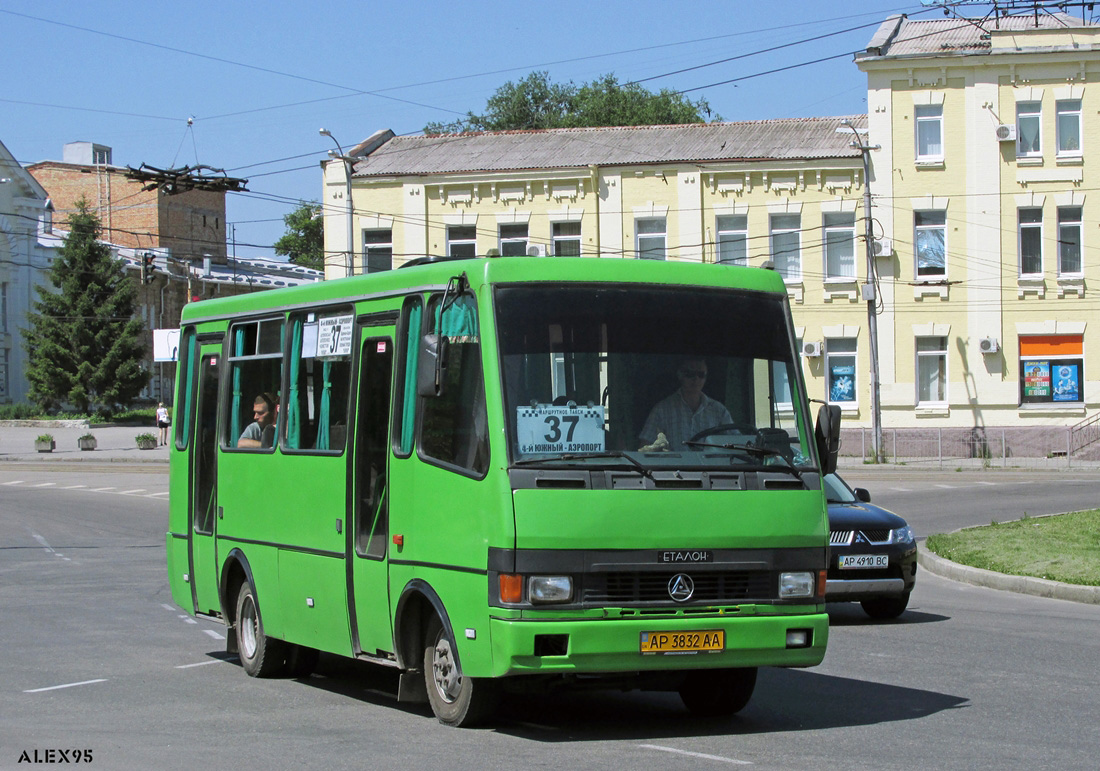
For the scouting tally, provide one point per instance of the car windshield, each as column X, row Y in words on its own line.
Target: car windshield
column 836, row 491
column 672, row 377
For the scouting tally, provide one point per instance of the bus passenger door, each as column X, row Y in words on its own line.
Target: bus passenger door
column 369, row 518
column 204, row 477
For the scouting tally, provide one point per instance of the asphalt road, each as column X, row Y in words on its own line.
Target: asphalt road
column 97, row 658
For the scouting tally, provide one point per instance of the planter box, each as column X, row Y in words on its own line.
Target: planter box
column 87, row 444
column 44, row 446
column 147, row 444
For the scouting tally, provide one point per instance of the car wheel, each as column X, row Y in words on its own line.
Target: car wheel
column 261, row 656
column 457, row 700
column 886, row 607
column 718, row 692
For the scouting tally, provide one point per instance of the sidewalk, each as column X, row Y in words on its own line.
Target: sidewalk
column 114, row 444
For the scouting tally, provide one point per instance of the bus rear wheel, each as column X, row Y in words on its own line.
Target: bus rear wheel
column 718, row 692
column 261, row 656
column 457, row 700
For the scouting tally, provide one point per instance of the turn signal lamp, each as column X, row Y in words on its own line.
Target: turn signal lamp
column 511, row 587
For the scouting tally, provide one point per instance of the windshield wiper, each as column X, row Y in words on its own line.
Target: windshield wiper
column 642, row 468
column 752, row 449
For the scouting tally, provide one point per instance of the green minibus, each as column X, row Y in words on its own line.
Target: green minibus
column 506, row 474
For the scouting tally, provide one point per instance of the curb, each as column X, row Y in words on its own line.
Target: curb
column 1037, row 587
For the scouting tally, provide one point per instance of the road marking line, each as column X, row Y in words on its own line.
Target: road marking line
column 200, row 664
column 945, row 487
column 101, row 489
column 41, row 540
column 166, row 606
column 213, row 634
column 127, row 492
column 16, row 482
column 155, row 495
column 901, row 489
column 45, row 484
column 74, row 487
column 66, row 685
column 702, row 755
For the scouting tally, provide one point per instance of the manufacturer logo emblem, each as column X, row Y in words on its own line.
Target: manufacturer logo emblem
column 681, row 587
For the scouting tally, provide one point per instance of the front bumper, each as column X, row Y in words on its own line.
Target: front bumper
column 612, row 645
column 897, row 579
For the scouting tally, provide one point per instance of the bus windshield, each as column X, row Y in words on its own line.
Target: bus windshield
column 650, row 377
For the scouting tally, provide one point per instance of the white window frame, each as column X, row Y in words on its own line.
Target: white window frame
column 925, row 228
column 940, row 353
column 830, row 356
column 795, row 275
column 377, row 249
column 1071, row 109
column 932, row 114
column 832, row 226
column 1029, row 111
column 732, row 229
column 642, row 240
column 559, row 241
column 513, row 244
column 1065, row 222
column 1028, row 227
column 460, row 242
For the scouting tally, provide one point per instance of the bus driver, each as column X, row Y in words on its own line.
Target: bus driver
column 261, row 431
column 687, row 411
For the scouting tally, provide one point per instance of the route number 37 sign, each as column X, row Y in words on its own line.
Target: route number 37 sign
column 551, row 429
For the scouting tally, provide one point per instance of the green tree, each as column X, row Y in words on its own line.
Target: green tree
column 86, row 343
column 537, row 103
column 304, row 241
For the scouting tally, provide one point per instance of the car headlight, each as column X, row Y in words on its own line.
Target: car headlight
column 545, row 589
column 902, row 535
column 796, row 585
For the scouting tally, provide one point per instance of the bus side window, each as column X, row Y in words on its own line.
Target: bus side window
column 319, row 381
column 255, row 370
column 188, row 359
column 455, row 425
column 404, row 411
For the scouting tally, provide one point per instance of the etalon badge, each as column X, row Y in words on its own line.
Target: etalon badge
column 681, row 587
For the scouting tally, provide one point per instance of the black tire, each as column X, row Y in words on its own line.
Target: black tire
column 456, row 700
column 718, row 692
column 261, row 656
column 886, row 607
column 301, row 660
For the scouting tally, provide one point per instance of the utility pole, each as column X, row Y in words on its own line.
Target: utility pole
column 349, row 163
column 870, row 294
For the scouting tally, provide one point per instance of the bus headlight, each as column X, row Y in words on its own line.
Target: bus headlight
column 546, row 589
column 793, row 585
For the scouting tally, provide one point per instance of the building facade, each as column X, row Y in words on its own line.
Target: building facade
column 982, row 251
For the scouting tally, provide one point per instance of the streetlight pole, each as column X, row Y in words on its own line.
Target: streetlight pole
column 349, row 260
column 869, row 293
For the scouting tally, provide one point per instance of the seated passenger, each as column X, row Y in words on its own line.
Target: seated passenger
column 261, row 431
column 687, row 411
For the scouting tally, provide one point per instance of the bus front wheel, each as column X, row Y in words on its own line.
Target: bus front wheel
column 261, row 656
column 457, row 700
column 718, row 692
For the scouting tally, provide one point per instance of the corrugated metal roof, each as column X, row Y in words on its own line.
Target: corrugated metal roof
column 956, row 36
column 789, row 139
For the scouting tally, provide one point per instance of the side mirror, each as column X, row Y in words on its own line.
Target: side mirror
column 827, row 436
column 431, row 367
column 862, row 495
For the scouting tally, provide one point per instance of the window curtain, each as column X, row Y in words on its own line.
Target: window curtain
column 293, row 408
column 323, row 440
column 408, row 407
column 459, row 321
column 235, row 415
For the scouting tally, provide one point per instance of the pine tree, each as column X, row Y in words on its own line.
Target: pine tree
column 85, row 343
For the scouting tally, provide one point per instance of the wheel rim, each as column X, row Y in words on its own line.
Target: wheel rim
column 445, row 674
column 248, row 629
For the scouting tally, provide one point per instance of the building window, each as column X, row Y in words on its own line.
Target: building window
column 513, row 240
column 1029, row 129
column 1052, row 369
column 930, row 237
column 1068, row 127
column 840, row 246
column 1031, row 242
column 931, row 370
column 929, row 118
column 3, row 373
column 733, row 239
column 840, row 369
column 651, row 238
column 786, row 240
column 567, row 239
column 461, row 241
column 1069, row 241
column 378, row 250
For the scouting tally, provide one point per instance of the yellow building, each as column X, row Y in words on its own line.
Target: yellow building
column 981, row 137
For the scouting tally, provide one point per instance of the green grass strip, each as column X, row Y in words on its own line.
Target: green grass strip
column 1063, row 548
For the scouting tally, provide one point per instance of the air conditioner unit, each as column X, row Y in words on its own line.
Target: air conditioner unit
column 1006, row 132
column 989, row 345
column 812, row 349
column 882, row 247
column 536, row 250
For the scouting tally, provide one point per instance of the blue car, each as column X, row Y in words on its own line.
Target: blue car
column 872, row 553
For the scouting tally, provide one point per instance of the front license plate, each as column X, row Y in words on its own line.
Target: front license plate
column 683, row 642
column 856, row 561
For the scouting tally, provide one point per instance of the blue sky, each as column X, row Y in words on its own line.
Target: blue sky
column 260, row 79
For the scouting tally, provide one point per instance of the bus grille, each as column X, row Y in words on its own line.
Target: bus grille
column 710, row 587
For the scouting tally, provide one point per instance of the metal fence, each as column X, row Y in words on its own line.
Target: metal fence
column 997, row 447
